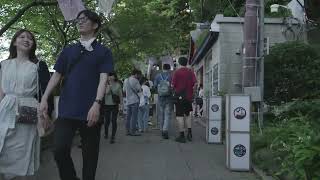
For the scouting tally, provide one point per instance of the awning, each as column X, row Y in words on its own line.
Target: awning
column 210, row 39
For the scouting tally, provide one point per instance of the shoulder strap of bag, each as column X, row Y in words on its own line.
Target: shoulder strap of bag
column 133, row 89
column 75, row 62
column 162, row 78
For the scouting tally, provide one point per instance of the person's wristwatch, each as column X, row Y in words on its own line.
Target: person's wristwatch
column 99, row 101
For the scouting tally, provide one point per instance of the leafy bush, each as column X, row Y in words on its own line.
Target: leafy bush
column 293, row 142
column 291, row 72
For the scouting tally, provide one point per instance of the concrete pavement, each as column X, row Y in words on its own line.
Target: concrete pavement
column 149, row 157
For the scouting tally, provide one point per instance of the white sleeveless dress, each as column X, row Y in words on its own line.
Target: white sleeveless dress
column 19, row 143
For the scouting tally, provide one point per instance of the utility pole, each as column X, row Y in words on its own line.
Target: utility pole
column 261, row 63
column 250, row 44
column 253, row 63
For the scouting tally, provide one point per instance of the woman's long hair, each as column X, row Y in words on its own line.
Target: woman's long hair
column 114, row 74
column 13, row 49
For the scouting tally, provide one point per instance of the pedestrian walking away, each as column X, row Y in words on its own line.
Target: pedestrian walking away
column 81, row 97
column 184, row 83
column 163, row 84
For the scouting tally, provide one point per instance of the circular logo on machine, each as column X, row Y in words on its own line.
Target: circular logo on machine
column 239, row 113
column 214, row 131
column 239, row 150
column 215, row 108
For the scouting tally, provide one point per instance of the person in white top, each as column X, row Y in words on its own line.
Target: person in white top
column 143, row 114
column 19, row 140
column 199, row 101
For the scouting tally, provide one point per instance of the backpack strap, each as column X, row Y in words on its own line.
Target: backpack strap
column 162, row 78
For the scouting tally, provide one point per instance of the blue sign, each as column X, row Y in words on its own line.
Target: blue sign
column 214, row 131
column 239, row 150
column 240, row 113
column 215, row 108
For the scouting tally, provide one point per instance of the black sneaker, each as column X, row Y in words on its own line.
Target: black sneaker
column 128, row 133
column 189, row 137
column 106, row 136
column 181, row 139
column 112, row 141
column 165, row 135
column 134, row 134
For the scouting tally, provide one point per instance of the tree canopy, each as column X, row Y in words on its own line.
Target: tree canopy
column 134, row 30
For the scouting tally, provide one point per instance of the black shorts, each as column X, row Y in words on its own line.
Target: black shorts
column 183, row 107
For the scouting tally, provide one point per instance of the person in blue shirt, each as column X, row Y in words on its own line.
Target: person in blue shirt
column 84, row 67
column 164, row 100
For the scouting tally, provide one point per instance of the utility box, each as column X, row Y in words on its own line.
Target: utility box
column 238, row 117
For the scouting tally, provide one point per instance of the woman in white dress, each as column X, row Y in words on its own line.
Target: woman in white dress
column 19, row 143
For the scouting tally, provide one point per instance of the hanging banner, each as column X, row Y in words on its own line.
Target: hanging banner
column 105, row 6
column 70, row 8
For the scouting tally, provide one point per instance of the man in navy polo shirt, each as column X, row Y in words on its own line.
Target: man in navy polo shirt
column 84, row 66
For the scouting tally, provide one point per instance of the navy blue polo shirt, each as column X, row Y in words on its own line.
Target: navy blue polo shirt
column 80, row 90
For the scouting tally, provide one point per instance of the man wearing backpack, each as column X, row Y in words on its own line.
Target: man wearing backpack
column 163, row 84
column 183, row 83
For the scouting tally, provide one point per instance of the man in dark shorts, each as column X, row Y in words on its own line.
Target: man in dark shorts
column 84, row 67
column 183, row 83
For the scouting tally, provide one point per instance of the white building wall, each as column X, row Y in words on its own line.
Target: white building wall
column 227, row 56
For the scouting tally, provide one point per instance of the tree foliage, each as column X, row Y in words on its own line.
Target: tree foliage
column 292, row 72
column 290, row 145
column 135, row 29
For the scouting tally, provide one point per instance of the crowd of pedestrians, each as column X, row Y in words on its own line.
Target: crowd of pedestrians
column 90, row 95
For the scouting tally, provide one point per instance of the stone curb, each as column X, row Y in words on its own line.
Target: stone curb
column 260, row 173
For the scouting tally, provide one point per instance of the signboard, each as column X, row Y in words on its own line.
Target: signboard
column 239, row 113
column 215, row 108
column 214, row 132
column 239, row 151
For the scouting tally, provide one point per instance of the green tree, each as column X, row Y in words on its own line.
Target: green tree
column 291, row 72
column 135, row 29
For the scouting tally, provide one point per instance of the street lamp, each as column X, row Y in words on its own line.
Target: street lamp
column 297, row 14
column 275, row 7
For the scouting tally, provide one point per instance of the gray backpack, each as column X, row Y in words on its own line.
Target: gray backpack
column 164, row 88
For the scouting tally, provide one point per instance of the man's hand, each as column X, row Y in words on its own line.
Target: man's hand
column 43, row 113
column 93, row 115
column 45, row 121
column 43, row 109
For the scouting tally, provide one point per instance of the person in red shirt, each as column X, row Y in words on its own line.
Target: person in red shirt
column 183, row 83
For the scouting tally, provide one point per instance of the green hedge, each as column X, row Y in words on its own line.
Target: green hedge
column 292, row 72
column 290, row 145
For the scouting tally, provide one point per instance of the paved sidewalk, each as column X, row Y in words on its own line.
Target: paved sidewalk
column 149, row 157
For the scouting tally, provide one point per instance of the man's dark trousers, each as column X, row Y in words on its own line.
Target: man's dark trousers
column 90, row 137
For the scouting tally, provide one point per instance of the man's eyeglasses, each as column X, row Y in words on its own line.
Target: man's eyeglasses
column 83, row 19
